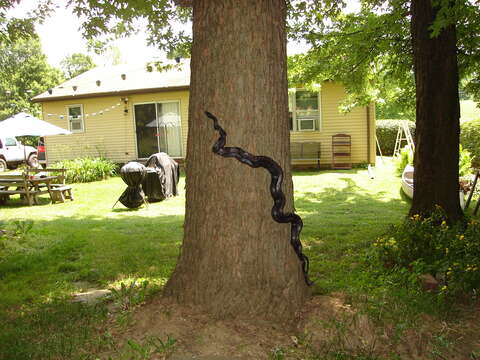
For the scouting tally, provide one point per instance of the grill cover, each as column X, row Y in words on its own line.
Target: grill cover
column 133, row 174
column 162, row 177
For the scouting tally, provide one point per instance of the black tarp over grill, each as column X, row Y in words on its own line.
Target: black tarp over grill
column 133, row 174
column 162, row 177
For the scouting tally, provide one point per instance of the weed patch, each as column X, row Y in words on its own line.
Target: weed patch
column 450, row 253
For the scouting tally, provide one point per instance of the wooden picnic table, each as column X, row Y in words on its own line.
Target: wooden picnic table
column 33, row 183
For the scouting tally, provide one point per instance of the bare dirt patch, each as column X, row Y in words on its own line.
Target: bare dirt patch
column 327, row 327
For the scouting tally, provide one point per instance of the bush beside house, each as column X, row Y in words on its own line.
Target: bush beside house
column 387, row 133
column 470, row 139
column 87, row 169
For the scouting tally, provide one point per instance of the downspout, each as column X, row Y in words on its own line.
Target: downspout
column 368, row 135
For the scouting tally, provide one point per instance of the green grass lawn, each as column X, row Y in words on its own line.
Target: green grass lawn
column 72, row 247
column 86, row 241
column 85, row 244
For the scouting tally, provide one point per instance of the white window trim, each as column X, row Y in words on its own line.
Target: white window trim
column 295, row 127
column 82, row 118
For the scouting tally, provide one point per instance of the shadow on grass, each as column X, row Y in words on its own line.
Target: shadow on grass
column 125, row 210
column 349, row 202
column 16, row 202
column 310, row 172
column 97, row 250
column 72, row 254
column 56, row 330
column 65, row 250
column 340, row 223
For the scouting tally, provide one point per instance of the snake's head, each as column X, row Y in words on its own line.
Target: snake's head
column 211, row 116
column 216, row 126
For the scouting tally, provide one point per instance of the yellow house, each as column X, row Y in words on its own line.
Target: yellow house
column 127, row 113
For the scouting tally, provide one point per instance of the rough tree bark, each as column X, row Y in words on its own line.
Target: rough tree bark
column 235, row 260
column 438, row 115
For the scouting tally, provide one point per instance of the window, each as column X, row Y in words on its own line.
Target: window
column 304, row 109
column 158, row 128
column 75, row 118
column 10, row 141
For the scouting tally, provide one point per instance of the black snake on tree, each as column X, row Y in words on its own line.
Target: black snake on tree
column 278, row 196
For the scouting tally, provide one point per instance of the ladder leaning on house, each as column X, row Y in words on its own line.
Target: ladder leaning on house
column 403, row 134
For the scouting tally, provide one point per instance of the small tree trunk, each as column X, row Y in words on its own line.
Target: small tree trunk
column 438, row 115
column 235, row 259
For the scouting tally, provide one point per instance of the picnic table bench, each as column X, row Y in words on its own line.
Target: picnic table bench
column 34, row 182
column 59, row 191
column 12, row 184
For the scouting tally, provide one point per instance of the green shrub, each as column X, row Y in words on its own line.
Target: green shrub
column 464, row 161
column 405, row 158
column 430, row 245
column 387, row 133
column 87, row 169
column 470, row 139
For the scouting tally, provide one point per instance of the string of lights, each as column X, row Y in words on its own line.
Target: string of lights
column 97, row 113
column 162, row 121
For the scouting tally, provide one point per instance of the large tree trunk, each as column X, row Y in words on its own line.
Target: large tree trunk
column 438, row 115
column 235, row 260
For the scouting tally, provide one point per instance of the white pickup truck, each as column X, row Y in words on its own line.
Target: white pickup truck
column 13, row 153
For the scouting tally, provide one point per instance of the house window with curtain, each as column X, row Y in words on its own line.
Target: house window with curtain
column 75, row 118
column 304, row 108
column 158, row 128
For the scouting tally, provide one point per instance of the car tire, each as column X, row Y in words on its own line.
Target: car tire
column 33, row 161
column 3, row 165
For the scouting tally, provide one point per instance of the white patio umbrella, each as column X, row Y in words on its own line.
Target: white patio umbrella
column 24, row 124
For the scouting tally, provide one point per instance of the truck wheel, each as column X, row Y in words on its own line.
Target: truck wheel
column 3, row 165
column 33, row 161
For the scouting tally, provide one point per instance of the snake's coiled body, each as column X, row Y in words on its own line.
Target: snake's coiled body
column 278, row 196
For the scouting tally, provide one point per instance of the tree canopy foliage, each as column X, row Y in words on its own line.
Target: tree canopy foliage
column 13, row 28
column 371, row 52
column 76, row 64
column 24, row 73
column 105, row 21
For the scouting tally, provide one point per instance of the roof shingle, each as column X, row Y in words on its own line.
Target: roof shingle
column 109, row 80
